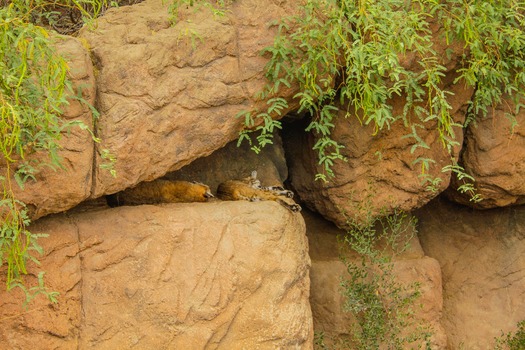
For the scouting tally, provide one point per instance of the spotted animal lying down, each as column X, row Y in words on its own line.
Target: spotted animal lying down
column 168, row 191
column 250, row 189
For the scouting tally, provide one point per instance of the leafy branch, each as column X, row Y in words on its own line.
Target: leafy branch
column 349, row 53
column 34, row 88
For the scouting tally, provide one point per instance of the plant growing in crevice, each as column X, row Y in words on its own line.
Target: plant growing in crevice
column 383, row 307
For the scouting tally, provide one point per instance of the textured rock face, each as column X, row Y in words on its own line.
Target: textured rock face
column 55, row 191
column 328, row 269
column 481, row 257
column 225, row 275
column 495, row 155
column 379, row 168
column 169, row 94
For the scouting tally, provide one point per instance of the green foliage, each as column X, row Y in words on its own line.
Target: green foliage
column 32, row 292
column 266, row 129
column 34, row 88
column 319, row 341
column 512, row 340
column 64, row 16
column 350, row 53
column 493, row 32
column 383, row 307
column 467, row 181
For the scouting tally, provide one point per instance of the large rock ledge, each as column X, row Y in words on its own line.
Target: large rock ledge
column 223, row 275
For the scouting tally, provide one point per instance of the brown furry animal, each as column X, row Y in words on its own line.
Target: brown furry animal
column 161, row 191
column 250, row 189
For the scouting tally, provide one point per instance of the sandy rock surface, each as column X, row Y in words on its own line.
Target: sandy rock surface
column 481, row 258
column 494, row 154
column 170, row 94
column 223, row 275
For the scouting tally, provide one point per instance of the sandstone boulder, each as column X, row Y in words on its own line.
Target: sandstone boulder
column 223, row 275
column 327, row 272
column 381, row 164
column 170, row 94
column 167, row 95
column 481, row 258
column 380, row 169
column 494, row 154
column 59, row 189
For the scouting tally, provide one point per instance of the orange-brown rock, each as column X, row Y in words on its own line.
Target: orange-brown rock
column 481, row 258
column 330, row 317
column 167, row 95
column 170, row 94
column 494, row 154
column 381, row 164
column 60, row 189
column 380, row 171
column 223, row 275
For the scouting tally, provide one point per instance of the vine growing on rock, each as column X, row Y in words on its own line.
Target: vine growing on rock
column 34, row 88
column 349, row 54
column 383, row 307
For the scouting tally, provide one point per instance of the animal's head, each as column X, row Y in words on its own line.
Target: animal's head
column 252, row 180
column 202, row 190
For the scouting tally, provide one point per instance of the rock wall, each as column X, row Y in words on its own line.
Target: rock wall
column 380, row 165
column 224, row 275
column 169, row 94
column 235, row 275
column 327, row 300
column 481, row 258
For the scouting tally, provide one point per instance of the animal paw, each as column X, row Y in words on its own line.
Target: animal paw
column 279, row 190
column 288, row 194
column 295, row 208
